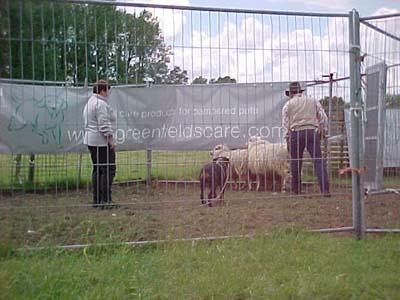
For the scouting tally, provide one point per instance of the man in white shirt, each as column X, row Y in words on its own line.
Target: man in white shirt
column 99, row 120
column 304, row 121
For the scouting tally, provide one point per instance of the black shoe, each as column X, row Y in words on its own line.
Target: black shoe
column 327, row 195
column 294, row 193
column 96, row 205
column 111, row 205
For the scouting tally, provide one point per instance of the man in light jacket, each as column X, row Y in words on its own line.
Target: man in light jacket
column 304, row 121
column 100, row 120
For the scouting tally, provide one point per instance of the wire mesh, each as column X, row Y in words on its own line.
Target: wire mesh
column 46, row 197
column 381, row 44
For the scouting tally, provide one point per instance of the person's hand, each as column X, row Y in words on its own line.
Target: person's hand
column 322, row 132
column 287, row 139
column 111, row 142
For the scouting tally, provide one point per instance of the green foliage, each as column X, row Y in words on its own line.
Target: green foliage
column 226, row 79
column 392, row 101
column 282, row 266
column 200, row 80
column 70, row 42
column 336, row 101
column 60, row 171
column 176, row 76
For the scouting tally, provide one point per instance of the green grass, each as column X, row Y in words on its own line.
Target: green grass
column 288, row 264
column 62, row 170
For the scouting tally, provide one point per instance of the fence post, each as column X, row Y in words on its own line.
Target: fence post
column 149, row 162
column 31, row 173
column 18, row 160
column 79, row 163
column 356, row 112
column 79, row 167
column 327, row 141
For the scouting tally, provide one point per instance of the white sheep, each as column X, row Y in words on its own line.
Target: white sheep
column 238, row 163
column 265, row 157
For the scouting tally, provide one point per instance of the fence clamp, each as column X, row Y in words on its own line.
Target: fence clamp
column 356, row 110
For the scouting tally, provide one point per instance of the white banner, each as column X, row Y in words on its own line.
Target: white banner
column 43, row 119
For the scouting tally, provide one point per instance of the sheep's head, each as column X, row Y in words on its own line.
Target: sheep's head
column 256, row 140
column 219, row 150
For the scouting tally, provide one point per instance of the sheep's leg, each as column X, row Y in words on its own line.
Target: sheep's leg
column 258, row 182
column 234, row 184
column 239, row 182
column 248, row 180
column 230, row 176
column 283, row 188
column 286, row 182
column 222, row 192
column 241, row 185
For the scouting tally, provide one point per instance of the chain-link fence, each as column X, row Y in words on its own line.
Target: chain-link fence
column 184, row 80
column 380, row 49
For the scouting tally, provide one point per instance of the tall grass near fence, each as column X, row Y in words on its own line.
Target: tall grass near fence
column 72, row 170
column 288, row 264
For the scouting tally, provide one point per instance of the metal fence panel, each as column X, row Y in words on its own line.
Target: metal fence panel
column 46, row 198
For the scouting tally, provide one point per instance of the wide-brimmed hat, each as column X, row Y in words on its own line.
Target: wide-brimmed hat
column 294, row 88
column 101, row 85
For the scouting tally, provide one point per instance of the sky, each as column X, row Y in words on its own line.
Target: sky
column 268, row 48
column 364, row 7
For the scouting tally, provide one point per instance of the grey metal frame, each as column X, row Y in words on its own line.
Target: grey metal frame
column 356, row 123
column 375, row 131
column 358, row 194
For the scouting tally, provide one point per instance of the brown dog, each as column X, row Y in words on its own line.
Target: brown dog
column 213, row 175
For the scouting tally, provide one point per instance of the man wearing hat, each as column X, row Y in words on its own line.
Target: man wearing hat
column 304, row 121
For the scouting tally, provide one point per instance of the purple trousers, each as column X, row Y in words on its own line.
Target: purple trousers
column 298, row 141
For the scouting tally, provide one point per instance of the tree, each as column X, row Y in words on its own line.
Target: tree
column 338, row 104
column 3, row 35
column 335, row 101
column 70, row 42
column 392, row 101
column 226, row 79
column 177, row 76
column 199, row 80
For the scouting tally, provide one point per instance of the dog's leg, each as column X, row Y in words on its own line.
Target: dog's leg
column 202, row 191
column 210, row 196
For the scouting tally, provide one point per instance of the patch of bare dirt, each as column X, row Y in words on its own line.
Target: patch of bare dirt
column 174, row 211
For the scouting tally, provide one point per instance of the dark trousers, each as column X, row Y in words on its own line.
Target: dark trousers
column 103, row 159
column 310, row 139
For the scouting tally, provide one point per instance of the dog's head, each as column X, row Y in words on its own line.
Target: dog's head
column 222, row 161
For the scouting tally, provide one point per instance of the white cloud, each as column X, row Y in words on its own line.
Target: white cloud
column 171, row 22
column 386, row 11
column 255, row 48
column 323, row 4
column 382, row 48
